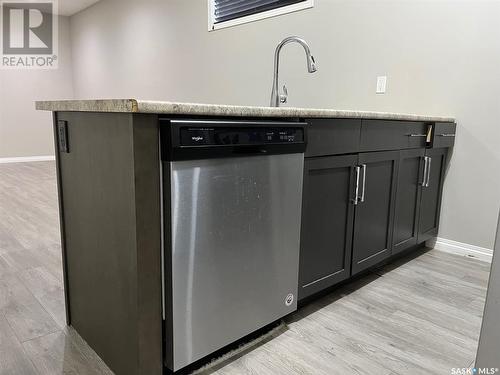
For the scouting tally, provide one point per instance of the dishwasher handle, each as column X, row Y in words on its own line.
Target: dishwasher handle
column 250, row 150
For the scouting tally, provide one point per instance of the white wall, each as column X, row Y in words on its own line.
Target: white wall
column 24, row 131
column 441, row 57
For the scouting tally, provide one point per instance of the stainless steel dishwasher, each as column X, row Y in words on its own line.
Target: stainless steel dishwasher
column 232, row 209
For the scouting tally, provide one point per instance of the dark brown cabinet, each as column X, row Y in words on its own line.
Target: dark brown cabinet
column 444, row 135
column 383, row 135
column 333, row 137
column 327, row 222
column 374, row 212
column 372, row 189
column 430, row 203
column 347, row 213
column 360, row 209
column 408, row 194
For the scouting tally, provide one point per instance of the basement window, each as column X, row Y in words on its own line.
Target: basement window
column 227, row 13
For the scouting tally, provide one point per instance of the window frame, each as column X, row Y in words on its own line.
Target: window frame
column 212, row 26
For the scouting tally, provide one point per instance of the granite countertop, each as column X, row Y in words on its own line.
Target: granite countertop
column 174, row 108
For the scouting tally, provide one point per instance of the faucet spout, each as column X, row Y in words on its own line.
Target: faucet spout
column 276, row 98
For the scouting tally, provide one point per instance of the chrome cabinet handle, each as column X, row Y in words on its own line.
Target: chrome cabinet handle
column 428, row 172
column 418, row 135
column 364, row 183
column 356, row 190
column 445, row 135
column 424, row 178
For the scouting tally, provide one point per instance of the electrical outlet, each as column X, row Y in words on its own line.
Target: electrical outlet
column 381, row 84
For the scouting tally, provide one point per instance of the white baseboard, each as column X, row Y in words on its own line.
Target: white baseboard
column 27, row 159
column 459, row 248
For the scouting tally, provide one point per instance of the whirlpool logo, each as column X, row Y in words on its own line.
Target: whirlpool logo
column 29, row 34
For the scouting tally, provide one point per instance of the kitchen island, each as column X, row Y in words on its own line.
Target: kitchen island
column 372, row 190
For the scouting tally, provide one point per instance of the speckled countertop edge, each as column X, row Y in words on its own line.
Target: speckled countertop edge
column 174, row 108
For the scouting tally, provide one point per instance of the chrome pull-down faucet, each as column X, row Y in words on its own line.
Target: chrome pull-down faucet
column 276, row 97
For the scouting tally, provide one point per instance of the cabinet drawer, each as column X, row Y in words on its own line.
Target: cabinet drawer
column 416, row 133
column 444, row 134
column 332, row 137
column 382, row 135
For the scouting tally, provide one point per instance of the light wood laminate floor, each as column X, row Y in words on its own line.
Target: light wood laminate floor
column 419, row 316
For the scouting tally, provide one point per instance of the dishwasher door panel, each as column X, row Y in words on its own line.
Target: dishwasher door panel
column 235, row 226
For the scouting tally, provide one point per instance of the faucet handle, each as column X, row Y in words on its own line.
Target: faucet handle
column 284, row 96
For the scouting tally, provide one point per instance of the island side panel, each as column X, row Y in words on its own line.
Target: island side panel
column 148, row 198
column 109, row 190
column 61, row 218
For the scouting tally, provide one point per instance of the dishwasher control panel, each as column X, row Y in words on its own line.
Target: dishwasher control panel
column 183, row 139
column 206, row 136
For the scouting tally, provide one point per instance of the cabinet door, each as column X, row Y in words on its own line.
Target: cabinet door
column 430, row 203
column 327, row 222
column 408, row 192
column 374, row 214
